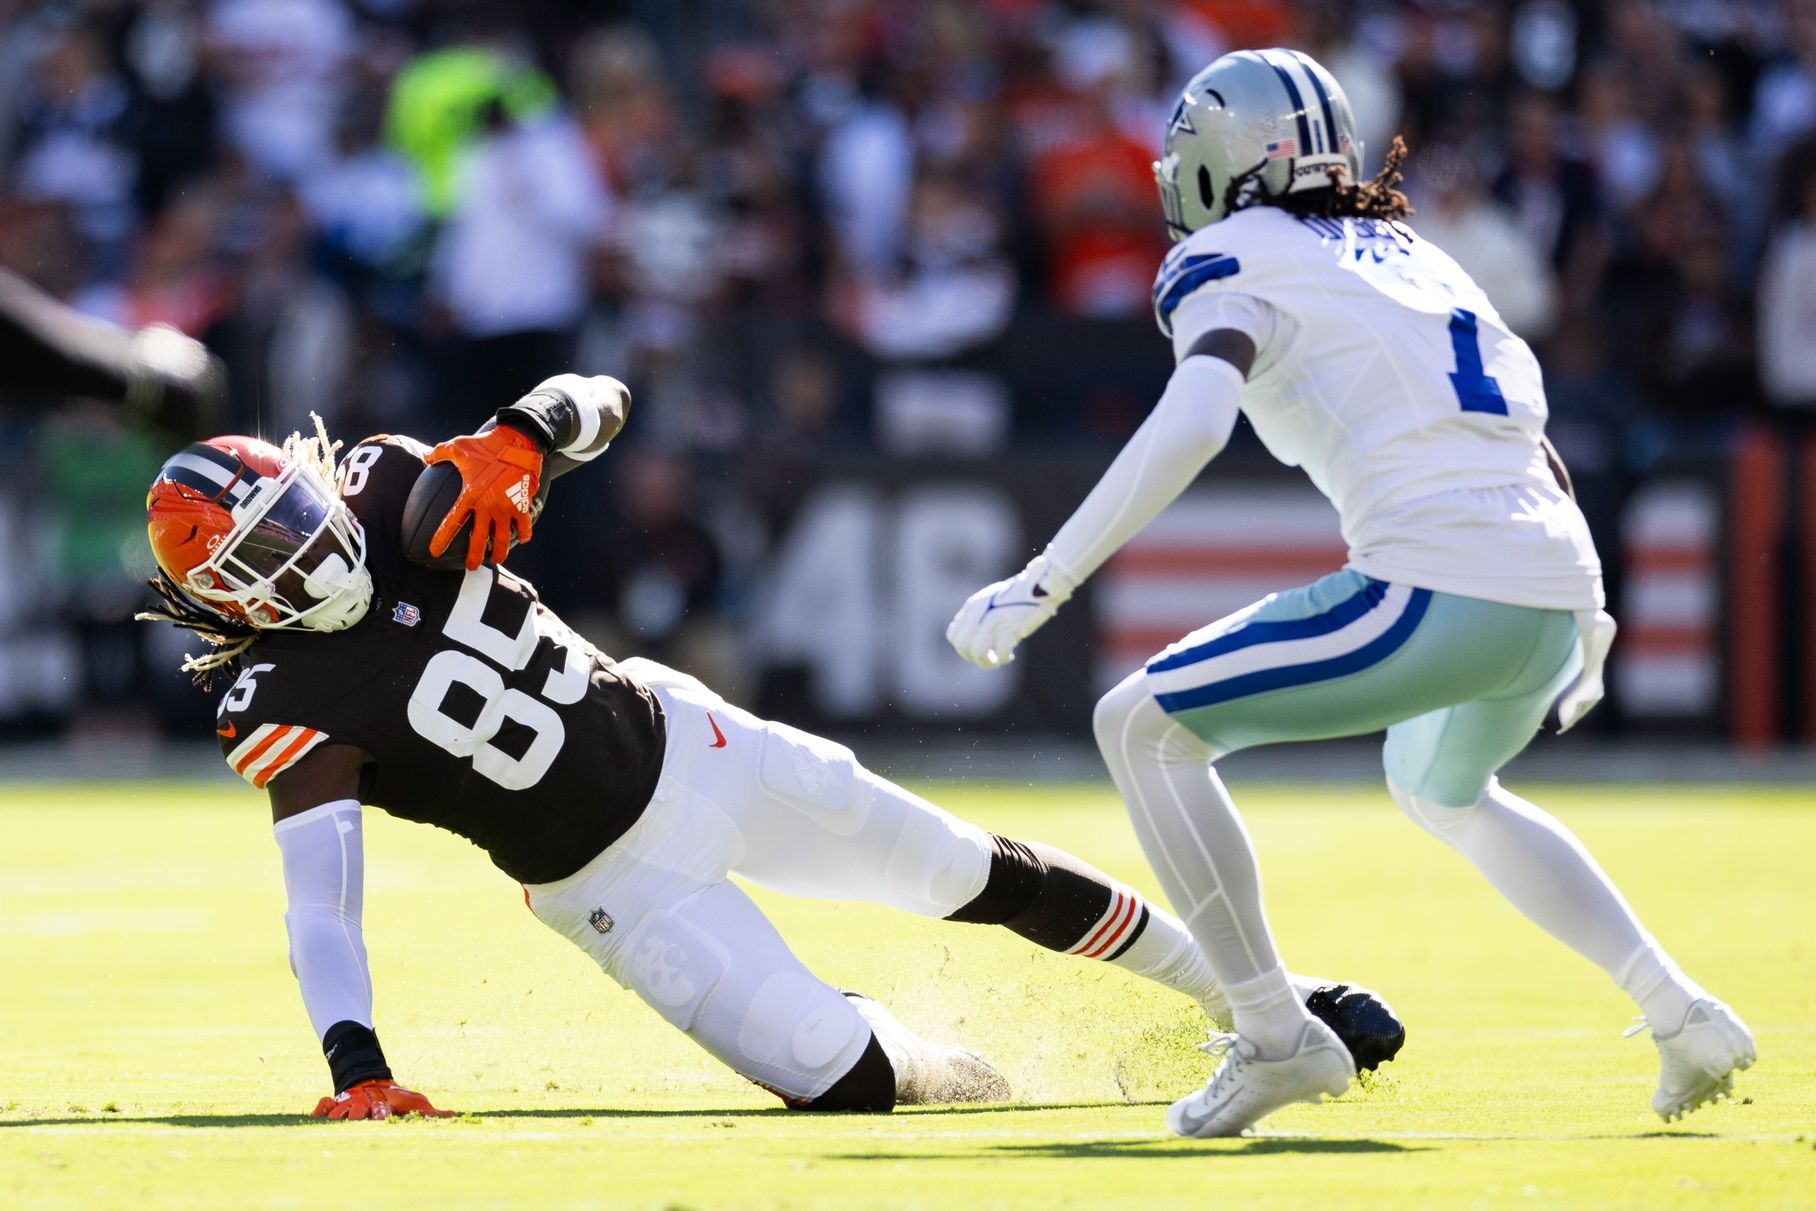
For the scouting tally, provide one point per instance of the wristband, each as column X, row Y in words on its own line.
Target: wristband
column 354, row 1055
column 547, row 416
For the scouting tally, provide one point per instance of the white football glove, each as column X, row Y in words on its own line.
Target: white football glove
column 997, row 617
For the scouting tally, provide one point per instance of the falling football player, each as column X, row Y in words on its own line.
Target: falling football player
column 381, row 659
column 1471, row 602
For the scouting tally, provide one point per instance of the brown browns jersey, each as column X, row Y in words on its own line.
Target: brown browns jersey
column 479, row 710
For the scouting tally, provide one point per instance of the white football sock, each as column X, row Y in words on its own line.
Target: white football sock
column 1195, row 841
column 1166, row 953
column 1544, row 871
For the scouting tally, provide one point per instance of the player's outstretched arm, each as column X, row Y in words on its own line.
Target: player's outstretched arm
column 316, row 816
column 1188, row 427
column 156, row 375
column 566, row 421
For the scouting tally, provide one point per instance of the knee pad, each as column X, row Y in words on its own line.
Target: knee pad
column 798, row 1031
column 816, row 776
column 673, row 965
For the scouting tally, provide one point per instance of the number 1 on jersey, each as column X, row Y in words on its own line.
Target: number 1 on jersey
column 1476, row 391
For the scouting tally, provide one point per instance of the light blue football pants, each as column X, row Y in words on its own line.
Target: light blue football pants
column 1460, row 684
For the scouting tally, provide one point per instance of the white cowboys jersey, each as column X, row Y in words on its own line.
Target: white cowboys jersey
column 1386, row 373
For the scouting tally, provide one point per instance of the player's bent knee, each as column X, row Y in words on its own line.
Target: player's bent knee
column 867, row 1087
column 674, row 965
column 1115, row 711
column 1434, row 817
column 938, row 862
column 1017, row 875
column 798, row 1035
column 1130, row 724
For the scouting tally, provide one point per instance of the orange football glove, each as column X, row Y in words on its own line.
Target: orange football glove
column 376, row 1099
column 499, row 474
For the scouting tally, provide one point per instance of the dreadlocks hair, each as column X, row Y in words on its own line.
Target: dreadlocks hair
column 229, row 636
column 1379, row 198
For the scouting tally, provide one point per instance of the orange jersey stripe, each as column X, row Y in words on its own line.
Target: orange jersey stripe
column 258, row 750
column 283, row 759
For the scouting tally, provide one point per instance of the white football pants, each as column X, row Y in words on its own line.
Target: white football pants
column 785, row 809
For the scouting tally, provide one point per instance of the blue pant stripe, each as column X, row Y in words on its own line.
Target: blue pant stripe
column 1263, row 680
column 1249, row 634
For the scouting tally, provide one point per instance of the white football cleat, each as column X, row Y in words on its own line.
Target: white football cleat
column 1246, row 1088
column 929, row 1074
column 1697, row 1061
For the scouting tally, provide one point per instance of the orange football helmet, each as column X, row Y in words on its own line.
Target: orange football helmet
column 260, row 537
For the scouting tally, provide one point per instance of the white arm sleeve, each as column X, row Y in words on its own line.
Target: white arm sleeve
column 1188, row 427
column 324, row 869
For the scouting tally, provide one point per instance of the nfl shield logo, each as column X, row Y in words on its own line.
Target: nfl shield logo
column 600, row 920
column 406, row 613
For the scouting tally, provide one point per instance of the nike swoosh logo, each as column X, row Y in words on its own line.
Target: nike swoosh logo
column 718, row 736
column 229, row 732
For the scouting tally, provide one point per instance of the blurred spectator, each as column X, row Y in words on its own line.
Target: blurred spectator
column 1554, row 196
column 173, row 276
column 365, row 203
column 162, row 49
column 1622, row 147
column 801, row 227
column 76, row 141
column 1784, row 102
column 1456, row 213
column 281, row 63
column 291, row 333
column 1787, row 296
column 1093, row 196
column 445, row 99
column 865, row 171
column 511, row 267
column 953, row 293
column 658, row 567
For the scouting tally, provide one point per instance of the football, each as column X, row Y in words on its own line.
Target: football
column 433, row 494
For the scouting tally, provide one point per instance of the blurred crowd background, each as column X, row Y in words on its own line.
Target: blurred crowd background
column 806, row 228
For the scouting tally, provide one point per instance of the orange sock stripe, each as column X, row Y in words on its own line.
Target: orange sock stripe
column 1122, row 927
column 1103, row 923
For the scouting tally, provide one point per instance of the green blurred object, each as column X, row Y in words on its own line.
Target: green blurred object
column 437, row 106
column 97, row 472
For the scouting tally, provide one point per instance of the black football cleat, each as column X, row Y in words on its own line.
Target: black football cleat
column 1364, row 1022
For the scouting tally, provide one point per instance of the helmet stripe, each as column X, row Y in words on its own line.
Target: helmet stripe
column 1292, row 91
column 1330, row 121
column 208, row 476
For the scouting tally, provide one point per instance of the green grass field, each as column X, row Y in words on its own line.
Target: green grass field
column 153, row 1051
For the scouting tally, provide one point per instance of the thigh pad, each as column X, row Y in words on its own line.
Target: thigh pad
column 815, row 776
column 673, row 964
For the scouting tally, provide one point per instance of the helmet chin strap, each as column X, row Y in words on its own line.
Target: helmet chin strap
column 345, row 594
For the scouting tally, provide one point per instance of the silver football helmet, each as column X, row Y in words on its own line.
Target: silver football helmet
column 1272, row 122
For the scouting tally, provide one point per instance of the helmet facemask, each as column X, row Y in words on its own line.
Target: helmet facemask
column 295, row 558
